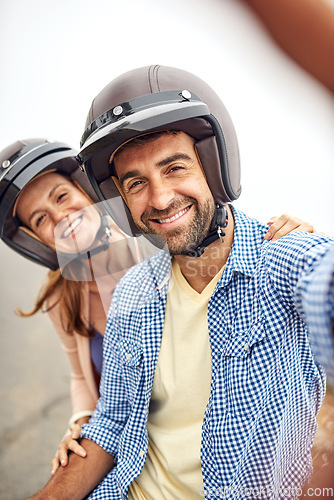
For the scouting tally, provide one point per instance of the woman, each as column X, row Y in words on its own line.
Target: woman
column 47, row 215
column 40, row 185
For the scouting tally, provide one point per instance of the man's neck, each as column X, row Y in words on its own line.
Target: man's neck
column 199, row 271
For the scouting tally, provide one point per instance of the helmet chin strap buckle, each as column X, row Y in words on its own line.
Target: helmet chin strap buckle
column 103, row 235
column 216, row 231
column 221, row 234
column 105, row 226
column 221, row 220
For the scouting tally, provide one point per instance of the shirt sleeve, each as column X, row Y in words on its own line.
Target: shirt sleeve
column 318, row 305
column 301, row 269
column 110, row 416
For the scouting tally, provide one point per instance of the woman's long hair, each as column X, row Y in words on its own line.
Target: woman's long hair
column 70, row 303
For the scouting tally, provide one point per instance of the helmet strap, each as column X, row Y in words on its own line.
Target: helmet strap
column 216, row 231
column 104, row 234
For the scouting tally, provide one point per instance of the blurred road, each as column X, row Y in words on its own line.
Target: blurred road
column 34, row 382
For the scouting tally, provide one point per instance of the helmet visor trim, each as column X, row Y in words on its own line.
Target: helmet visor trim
column 129, row 107
column 138, row 116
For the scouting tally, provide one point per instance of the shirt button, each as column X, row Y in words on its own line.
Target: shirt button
column 128, row 356
column 246, row 346
column 120, row 491
column 142, row 453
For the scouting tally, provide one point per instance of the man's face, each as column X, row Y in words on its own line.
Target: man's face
column 166, row 191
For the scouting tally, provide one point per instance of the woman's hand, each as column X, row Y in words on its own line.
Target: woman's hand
column 284, row 225
column 69, row 443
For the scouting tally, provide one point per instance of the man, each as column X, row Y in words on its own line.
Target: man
column 210, row 385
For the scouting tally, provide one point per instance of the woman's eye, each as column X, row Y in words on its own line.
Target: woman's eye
column 61, row 196
column 39, row 220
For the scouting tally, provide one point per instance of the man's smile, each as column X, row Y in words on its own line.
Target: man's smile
column 172, row 218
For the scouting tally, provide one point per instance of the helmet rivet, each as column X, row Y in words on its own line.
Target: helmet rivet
column 118, row 110
column 186, row 94
column 6, row 164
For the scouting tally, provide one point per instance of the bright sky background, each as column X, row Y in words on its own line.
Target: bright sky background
column 55, row 56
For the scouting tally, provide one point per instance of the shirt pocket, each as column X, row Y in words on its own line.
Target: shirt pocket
column 247, row 363
column 132, row 364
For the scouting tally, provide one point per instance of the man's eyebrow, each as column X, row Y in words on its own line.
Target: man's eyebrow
column 128, row 175
column 171, row 159
column 162, row 163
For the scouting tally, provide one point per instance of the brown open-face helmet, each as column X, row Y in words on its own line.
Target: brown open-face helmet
column 19, row 164
column 152, row 99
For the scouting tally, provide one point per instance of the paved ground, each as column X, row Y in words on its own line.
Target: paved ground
column 34, row 383
column 34, row 389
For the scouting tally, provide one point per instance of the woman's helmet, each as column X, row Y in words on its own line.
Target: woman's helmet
column 19, row 164
column 152, row 99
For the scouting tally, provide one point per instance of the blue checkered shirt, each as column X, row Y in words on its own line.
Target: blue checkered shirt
column 267, row 385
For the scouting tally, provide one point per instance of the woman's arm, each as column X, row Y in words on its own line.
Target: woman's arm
column 286, row 224
column 81, row 394
column 69, row 443
column 83, row 401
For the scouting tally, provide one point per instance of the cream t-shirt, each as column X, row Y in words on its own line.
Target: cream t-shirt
column 181, row 390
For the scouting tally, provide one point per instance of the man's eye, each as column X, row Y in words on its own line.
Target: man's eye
column 135, row 185
column 175, row 168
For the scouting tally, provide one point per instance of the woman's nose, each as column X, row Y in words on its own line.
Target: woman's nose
column 59, row 215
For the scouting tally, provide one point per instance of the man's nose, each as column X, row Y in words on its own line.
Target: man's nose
column 161, row 194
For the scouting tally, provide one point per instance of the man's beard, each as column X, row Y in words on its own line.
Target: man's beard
column 186, row 237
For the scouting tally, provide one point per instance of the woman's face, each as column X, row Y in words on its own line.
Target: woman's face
column 56, row 211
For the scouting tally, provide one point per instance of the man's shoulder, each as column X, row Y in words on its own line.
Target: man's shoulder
column 248, row 231
column 142, row 277
column 295, row 253
column 299, row 243
column 247, row 242
column 150, row 266
column 280, row 256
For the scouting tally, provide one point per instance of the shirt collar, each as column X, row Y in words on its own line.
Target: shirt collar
column 245, row 251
